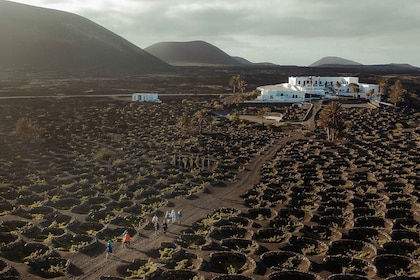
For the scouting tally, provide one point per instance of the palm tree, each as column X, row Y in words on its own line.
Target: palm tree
column 237, row 82
column 355, row 89
column 201, row 117
column 241, row 84
column 184, row 122
column 369, row 93
column 233, row 82
column 337, row 86
column 383, row 85
column 261, row 113
column 331, row 118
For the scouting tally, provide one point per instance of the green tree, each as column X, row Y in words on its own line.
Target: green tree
column 397, row 92
column 331, row 118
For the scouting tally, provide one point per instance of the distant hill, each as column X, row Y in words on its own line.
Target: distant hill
column 35, row 38
column 194, row 53
column 333, row 60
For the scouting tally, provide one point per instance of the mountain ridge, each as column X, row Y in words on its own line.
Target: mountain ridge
column 46, row 39
column 191, row 53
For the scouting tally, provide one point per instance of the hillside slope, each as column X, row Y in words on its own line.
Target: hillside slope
column 333, row 60
column 194, row 53
column 35, row 38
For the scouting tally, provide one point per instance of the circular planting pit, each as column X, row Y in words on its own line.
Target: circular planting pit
column 74, row 243
column 345, row 276
column 6, row 208
column 291, row 214
column 38, row 213
column 56, row 219
column 16, row 226
column 271, row 235
column 403, row 248
column 44, row 235
column 90, row 228
column 50, row 267
column 399, row 213
column 27, row 253
column 285, row 224
column 371, row 235
column 348, row 265
column 84, row 208
column 352, row 248
column 284, row 260
column 7, row 271
column 363, row 211
column 306, row 246
column 103, row 217
column 245, row 246
column 406, row 224
column 230, row 263
column 178, row 274
column 320, row 232
column 193, row 241
column 401, row 234
column 141, row 269
column 65, row 203
column 132, row 221
column 8, row 193
column 175, row 258
column 293, row 275
column 259, row 213
column 8, row 240
column 229, row 232
column 231, row 277
column 28, row 199
column 390, row 264
column 374, row 222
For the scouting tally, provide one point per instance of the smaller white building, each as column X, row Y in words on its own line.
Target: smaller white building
column 145, row 97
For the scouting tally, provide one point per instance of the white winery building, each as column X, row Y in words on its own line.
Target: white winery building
column 304, row 88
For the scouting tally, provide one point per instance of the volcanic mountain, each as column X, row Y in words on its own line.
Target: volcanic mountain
column 34, row 38
column 194, row 53
column 332, row 61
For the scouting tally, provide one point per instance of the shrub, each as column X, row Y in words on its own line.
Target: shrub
column 27, row 129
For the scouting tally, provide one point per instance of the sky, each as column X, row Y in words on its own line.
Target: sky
column 284, row 32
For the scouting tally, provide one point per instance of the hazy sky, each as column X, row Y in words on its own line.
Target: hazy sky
column 285, row 32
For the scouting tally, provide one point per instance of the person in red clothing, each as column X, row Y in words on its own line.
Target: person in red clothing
column 126, row 239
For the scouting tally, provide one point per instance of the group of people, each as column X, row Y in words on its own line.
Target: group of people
column 170, row 217
column 125, row 238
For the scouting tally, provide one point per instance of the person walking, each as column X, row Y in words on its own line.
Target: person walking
column 179, row 214
column 167, row 216
column 164, row 226
column 126, row 239
column 109, row 248
column 157, row 226
column 155, row 219
column 173, row 216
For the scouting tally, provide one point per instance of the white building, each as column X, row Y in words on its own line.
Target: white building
column 145, row 97
column 300, row 89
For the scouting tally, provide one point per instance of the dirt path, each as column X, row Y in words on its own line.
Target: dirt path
column 193, row 210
